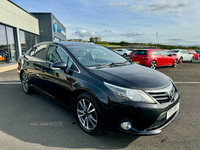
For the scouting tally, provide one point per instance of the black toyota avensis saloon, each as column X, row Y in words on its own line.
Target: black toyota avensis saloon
column 106, row 91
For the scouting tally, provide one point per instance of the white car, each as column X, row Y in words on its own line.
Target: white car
column 182, row 55
column 123, row 52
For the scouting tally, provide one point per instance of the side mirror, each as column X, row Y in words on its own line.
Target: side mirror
column 59, row 64
column 169, row 54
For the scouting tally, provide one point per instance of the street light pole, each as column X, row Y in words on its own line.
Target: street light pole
column 156, row 39
column 99, row 39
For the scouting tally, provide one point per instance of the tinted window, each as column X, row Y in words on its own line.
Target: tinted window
column 141, row 52
column 56, row 53
column 39, row 51
column 119, row 50
column 174, row 51
column 156, row 52
column 164, row 53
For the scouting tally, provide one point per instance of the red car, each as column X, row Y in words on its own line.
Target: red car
column 154, row 57
column 193, row 52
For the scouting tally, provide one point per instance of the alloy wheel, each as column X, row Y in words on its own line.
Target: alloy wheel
column 153, row 65
column 192, row 59
column 125, row 55
column 180, row 60
column 87, row 114
column 25, row 84
column 175, row 64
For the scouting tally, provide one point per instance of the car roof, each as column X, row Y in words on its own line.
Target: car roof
column 149, row 49
column 65, row 43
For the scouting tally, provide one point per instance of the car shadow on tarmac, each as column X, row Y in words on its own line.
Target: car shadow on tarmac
column 37, row 119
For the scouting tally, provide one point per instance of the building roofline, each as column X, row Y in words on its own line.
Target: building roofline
column 47, row 13
column 22, row 9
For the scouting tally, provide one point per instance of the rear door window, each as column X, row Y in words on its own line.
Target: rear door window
column 39, row 51
column 164, row 53
column 156, row 52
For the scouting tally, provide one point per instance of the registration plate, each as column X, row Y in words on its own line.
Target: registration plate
column 172, row 110
column 137, row 62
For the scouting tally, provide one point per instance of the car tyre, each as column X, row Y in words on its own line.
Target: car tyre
column 153, row 64
column 181, row 60
column 192, row 59
column 125, row 55
column 175, row 64
column 88, row 114
column 26, row 84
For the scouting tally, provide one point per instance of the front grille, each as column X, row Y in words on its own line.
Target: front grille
column 164, row 95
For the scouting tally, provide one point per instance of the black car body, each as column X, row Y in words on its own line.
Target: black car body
column 106, row 91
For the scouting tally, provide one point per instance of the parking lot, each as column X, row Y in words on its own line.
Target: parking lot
column 36, row 122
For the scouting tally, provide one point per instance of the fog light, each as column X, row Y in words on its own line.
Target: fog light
column 126, row 125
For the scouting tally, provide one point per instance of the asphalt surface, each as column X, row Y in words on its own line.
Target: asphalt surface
column 36, row 122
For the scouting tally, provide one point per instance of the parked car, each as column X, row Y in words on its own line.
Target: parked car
column 198, row 52
column 182, row 55
column 132, row 52
column 154, row 57
column 106, row 92
column 193, row 52
column 3, row 55
column 123, row 52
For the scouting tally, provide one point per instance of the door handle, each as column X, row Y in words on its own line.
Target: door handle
column 37, row 68
column 43, row 70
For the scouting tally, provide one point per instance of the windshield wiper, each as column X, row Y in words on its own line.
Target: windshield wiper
column 111, row 64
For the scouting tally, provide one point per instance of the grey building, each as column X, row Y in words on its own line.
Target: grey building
column 50, row 28
column 21, row 30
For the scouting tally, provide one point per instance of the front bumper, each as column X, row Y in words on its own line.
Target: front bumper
column 146, row 119
column 153, row 131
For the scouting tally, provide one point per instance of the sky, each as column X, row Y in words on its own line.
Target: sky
column 173, row 22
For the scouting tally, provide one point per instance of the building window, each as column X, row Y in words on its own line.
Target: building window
column 8, row 52
column 23, row 41
column 11, row 44
column 3, row 45
column 28, row 40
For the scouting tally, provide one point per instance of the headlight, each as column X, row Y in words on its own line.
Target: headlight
column 127, row 95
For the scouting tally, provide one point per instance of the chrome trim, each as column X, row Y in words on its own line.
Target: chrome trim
column 165, row 94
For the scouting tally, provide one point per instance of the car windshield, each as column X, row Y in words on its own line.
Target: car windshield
column 94, row 55
column 174, row 51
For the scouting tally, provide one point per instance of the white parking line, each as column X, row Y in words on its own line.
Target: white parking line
column 188, row 82
column 10, row 82
column 177, row 70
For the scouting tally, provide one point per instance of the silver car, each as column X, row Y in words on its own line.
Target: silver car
column 182, row 55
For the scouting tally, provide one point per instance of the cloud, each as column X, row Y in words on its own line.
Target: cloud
column 168, row 6
column 135, row 8
column 180, row 40
column 118, row 4
column 176, row 39
column 83, row 33
column 107, row 31
column 132, row 34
